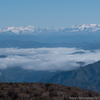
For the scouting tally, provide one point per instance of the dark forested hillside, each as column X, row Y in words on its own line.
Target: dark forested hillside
column 40, row 91
column 87, row 77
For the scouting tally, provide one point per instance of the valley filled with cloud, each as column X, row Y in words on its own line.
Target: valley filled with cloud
column 47, row 58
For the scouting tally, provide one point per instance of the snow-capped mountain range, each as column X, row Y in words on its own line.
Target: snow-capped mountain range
column 32, row 29
column 86, row 27
column 27, row 29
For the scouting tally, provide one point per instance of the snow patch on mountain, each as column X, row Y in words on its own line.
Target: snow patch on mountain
column 86, row 27
column 18, row 29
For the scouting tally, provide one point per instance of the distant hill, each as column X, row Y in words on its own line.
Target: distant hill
column 40, row 91
column 33, row 44
column 87, row 77
column 18, row 74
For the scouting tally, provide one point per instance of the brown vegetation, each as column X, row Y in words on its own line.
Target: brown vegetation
column 40, row 91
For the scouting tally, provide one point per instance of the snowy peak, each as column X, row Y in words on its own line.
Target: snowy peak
column 18, row 29
column 86, row 27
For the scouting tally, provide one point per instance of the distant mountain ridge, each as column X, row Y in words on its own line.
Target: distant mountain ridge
column 87, row 77
column 34, row 30
column 27, row 29
column 34, row 44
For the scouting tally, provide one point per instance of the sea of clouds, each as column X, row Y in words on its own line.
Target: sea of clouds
column 47, row 58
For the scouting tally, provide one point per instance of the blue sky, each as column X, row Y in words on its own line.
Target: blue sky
column 49, row 13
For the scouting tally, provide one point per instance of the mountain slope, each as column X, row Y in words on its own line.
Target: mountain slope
column 87, row 77
column 18, row 74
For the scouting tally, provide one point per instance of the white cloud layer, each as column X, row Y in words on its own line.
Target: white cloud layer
column 47, row 58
